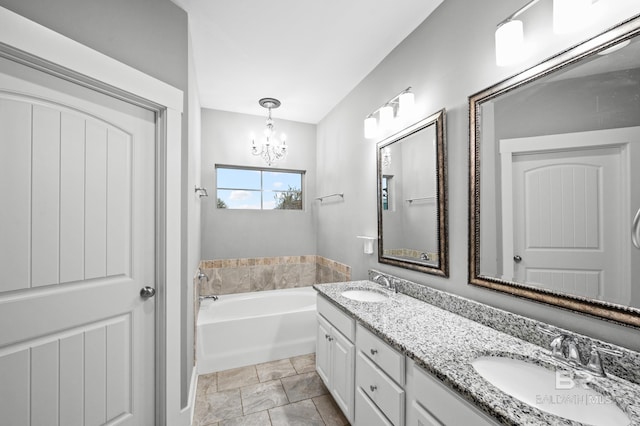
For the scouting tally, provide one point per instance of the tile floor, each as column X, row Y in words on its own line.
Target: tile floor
column 278, row 393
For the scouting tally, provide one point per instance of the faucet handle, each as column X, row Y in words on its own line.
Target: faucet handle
column 572, row 351
column 595, row 359
column 556, row 345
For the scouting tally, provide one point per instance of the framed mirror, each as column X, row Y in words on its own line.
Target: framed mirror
column 412, row 199
column 555, row 180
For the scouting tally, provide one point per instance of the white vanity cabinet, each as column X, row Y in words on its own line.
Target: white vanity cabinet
column 432, row 403
column 376, row 385
column 335, row 354
column 380, row 375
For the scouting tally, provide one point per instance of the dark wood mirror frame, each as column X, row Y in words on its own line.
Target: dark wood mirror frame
column 442, row 269
column 613, row 312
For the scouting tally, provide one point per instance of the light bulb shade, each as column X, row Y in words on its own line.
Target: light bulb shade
column 386, row 116
column 509, row 43
column 406, row 101
column 370, row 127
column 570, row 15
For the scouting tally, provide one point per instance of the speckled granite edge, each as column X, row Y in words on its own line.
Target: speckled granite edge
column 445, row 344
column 527, row 329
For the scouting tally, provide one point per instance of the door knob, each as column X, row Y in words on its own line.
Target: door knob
column 147, row 292
column 517, row 259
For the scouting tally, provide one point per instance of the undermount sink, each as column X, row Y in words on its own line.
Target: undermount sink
column 541, row 388
column 365, row 295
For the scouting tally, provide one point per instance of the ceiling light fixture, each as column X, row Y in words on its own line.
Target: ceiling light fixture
column 400, row 105
column 269, row 151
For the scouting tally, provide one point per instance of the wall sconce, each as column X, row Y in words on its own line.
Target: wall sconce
column 399, row 105
column 568, row 15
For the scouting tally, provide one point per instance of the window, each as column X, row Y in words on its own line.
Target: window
column 258, row 189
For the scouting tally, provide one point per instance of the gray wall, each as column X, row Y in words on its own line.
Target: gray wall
column 446, row 59
column 150, row 36
column 229, row 234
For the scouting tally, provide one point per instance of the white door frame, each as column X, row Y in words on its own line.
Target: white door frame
column 30, row 43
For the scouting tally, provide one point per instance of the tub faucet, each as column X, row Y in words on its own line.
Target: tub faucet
column 212, row 297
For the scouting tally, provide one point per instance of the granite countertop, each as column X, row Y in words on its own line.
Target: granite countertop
column 444, row 344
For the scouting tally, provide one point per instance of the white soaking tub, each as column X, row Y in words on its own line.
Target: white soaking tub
column 250, row 328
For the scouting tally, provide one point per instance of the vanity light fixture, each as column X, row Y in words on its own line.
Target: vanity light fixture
column 400, row 105
column 568, row 15
column 273, row 149
column 509, row 42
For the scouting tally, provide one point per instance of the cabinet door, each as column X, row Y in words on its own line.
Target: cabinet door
column 423, row 417
column 342, row 374
column 323, row 351
column 367, row 412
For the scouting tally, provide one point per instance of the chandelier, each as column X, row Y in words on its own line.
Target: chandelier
column 273, row 149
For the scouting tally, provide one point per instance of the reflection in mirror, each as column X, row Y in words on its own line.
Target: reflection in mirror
column 412, row 210
column 555, row 179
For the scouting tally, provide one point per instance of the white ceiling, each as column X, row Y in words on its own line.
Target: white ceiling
column 308, row 55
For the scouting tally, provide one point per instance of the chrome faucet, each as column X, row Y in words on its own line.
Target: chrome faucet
column 212, row 297
column 565, row 349
column 389, row 283
column 424, row 256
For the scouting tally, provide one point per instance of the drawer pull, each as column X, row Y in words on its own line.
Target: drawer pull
column 326, row 337
column 330, row 339
column 373, row 351
column 373, row 388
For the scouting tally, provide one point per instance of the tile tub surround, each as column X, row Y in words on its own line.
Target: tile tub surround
column 228, row 276
column 444, row 344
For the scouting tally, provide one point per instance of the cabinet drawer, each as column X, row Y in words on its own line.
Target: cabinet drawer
column 383, row 391
column 367, row 414
column 445, row 404
column 383, row 355
column 341, row 321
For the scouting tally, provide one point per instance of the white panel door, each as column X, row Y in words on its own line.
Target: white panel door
column 566, row 221
column 76, row 247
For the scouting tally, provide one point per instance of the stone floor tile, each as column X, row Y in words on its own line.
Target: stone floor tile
column 207, row 383
column 275, row 370
column 237, row 377
column 302, row 413
column 218, row 406
column 304, row 363
column 256, row 419
column 329, row 411
column 263, row 396
column 303, row 386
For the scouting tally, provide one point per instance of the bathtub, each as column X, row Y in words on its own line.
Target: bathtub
column 250, row 328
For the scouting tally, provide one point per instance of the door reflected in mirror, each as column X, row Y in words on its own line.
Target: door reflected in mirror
column 555, row 179
column 412, row 223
